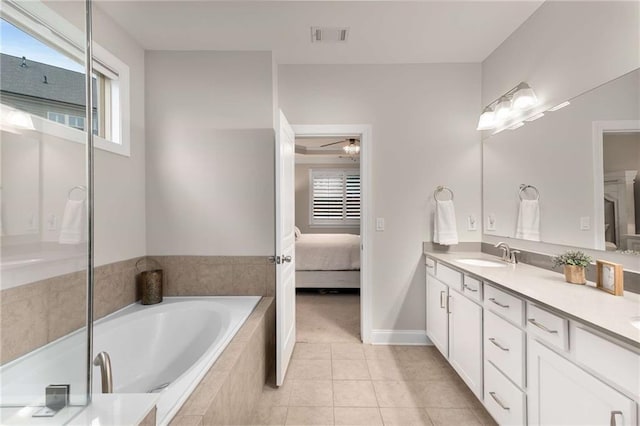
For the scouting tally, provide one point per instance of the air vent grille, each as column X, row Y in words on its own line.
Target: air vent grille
column 329, row 34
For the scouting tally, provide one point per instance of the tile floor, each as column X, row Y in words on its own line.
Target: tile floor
column 333, row 379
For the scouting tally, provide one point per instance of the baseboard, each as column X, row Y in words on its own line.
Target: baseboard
column 400, row 337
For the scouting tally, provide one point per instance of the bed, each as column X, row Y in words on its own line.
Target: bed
column 327, row 261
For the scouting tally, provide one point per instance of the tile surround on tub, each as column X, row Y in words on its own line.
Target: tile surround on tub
column 35, row 314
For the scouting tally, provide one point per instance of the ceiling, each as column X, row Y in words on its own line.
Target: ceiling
column 380, row 32
column 310, row 150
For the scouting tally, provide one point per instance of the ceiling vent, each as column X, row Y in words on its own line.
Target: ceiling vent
column 329, row 34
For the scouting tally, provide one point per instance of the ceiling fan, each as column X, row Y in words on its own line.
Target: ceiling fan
column 352, row 149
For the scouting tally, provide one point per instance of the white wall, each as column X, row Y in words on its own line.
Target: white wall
column 423, row 120
column 210, row 156
column 303, row 194
column 119, row 180
column 563, row 50
column 566, row 48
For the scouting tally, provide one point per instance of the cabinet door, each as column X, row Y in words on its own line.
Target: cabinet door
column 560, row 393
column 437, row 317
column 465, row 340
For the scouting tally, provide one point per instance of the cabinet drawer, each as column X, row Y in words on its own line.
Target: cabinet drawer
column 504, row 304
column 614, row 363
column 504, row 347
column 472, row 288
column 431, row 266
column 503, row 400
column 449, row 276
column 549, row 327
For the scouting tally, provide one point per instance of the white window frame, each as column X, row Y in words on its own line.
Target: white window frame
column 330, row 223
column 43, row 23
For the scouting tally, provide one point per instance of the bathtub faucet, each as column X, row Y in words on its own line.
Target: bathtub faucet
column 104, row 362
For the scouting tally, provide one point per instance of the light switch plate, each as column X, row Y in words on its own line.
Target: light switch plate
column 380, row 224
column 585, row 223
column 472, row 223
column 491, row 222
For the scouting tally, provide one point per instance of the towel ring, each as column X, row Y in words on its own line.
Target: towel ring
column 440, row 189
column 78, row 188
column 524, row 187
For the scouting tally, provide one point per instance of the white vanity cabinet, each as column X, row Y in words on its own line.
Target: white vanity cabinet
column 561, row 393
column 437, row 315
column 529, row 362
column 454, row 322
column 465, row 340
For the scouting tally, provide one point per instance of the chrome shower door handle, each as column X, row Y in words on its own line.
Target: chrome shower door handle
column 103, row 361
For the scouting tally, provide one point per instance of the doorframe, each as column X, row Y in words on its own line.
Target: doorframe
column 366, row 205
column 599, row 128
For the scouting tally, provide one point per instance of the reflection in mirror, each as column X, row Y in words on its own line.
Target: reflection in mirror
column 621, row 163
column 568, row 155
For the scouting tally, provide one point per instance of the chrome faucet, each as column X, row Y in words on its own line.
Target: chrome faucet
column 104, row 362
column 508, row 254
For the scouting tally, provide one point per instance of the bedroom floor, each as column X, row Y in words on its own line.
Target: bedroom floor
column 333, row 379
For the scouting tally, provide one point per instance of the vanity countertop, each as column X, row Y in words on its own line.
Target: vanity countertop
column 611, row 314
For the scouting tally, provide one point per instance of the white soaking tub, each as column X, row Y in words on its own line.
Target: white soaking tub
column 165, row 348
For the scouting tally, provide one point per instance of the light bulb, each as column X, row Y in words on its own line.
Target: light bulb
column 503, row 109
column 524, row 97
column 487, row 119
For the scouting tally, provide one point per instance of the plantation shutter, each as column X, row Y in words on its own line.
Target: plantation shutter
column 335, row 197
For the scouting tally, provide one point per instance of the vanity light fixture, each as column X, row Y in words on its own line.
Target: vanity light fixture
column 559, row 106
column 519, row 98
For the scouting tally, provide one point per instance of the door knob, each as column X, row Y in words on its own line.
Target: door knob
column 286, row 259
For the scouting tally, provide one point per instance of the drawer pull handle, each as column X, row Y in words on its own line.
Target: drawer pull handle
column 470, row 289
column 497, row 400
column 541, row 326
column 493, row 340
column 498, row 303
column 442, row 299
column 613, row 417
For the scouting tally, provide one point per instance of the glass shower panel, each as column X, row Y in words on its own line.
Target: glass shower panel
column 43, row 212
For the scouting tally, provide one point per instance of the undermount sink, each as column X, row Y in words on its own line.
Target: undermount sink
column 483, row 263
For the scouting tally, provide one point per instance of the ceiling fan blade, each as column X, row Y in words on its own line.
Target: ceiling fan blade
column 333, row 143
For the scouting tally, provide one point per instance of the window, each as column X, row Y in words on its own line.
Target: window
column 335, row 197
column 43, row 74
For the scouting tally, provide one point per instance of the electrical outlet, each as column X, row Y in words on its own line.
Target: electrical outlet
column 491, row 222
column 472, row 223
column 380, row 224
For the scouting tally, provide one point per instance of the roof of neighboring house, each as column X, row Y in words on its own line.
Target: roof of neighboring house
column 62, row 85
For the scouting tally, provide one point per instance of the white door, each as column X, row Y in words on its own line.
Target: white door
column 465, row 340
column 285, row 248
column 437, row 316
column 560, row 393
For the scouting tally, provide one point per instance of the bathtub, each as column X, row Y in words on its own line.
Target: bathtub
column 165, row 349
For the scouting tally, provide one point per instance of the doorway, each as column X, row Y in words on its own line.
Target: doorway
column 343, row 292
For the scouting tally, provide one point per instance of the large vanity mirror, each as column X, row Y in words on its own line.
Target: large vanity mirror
column 572, row 176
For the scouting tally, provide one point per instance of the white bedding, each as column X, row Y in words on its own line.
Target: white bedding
column 328, row 252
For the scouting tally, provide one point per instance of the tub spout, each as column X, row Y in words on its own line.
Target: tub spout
column 104, row 362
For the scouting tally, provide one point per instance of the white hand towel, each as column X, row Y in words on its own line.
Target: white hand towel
column 528, row 227
column 445, row 231
column 72, row 222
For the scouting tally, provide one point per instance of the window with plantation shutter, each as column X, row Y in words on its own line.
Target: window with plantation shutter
column 335, row 197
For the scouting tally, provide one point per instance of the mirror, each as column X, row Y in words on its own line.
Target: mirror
column 19, row 185
column 580, row 161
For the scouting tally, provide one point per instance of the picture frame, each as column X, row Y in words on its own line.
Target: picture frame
column 609, row 277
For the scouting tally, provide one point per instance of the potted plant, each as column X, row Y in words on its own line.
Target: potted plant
column 574, row 262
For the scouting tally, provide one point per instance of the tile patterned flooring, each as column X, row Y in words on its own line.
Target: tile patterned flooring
column 333, row 379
